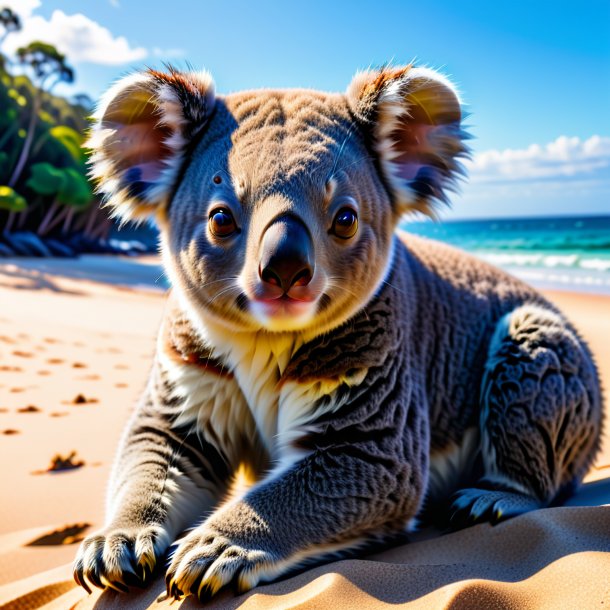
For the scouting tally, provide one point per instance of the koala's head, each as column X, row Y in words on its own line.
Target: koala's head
column 277, row 208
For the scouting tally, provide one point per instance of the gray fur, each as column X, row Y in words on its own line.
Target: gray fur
column 422, row 377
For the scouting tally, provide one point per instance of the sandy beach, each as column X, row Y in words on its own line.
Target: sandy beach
column 76, row 342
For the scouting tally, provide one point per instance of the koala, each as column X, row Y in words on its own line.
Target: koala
column 321, row 379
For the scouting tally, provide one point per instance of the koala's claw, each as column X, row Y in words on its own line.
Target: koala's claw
column 118, row 558
column 204, row 563
column 474, row 505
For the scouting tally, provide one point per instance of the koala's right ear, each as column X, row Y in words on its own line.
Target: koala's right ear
column 143, row 126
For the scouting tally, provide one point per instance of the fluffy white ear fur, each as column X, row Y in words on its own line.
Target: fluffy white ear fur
column 414, row 118
column 142, row 128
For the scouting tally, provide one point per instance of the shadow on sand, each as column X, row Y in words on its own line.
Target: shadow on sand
column 506, row 553
column 38, row 273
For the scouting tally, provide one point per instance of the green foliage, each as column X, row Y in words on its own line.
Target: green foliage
column 46, row 179
column 54, row 175
column 11, row 201
column 76, row 192
column 71, row 140
column 45, row 61
column 67, row 185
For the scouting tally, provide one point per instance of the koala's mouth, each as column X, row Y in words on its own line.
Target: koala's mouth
column 284, row 305
column 284, row 311
column 279, row 310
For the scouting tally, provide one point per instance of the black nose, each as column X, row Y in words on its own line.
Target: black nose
column 287, row 257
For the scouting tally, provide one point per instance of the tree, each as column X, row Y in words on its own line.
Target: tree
column 13, row 202
column 10, row 200
column 84, row 101
column 10, row 21
column 68, row 187
column 46, row 63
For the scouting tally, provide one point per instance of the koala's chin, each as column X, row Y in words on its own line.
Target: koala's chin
column 284, row 314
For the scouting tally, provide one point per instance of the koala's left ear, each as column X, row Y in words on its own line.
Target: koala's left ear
column 413, row 118
column 143, row 129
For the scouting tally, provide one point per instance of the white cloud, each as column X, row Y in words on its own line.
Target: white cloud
column 564, row 158
column 566, row 176
column 78, row 37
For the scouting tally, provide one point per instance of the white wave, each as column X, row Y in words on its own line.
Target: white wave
column 502, row 259
column 569, row 260
column 599, row 264
column 552, row 261
column 570, row 279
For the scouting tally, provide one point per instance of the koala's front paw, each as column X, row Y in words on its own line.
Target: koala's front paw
column 119, row 557
column 205, row 561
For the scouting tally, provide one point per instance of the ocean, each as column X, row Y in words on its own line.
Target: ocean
column 563, row 253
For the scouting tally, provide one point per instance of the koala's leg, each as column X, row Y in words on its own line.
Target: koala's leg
column 164, row 478
column 540, row 418
column 333, row 500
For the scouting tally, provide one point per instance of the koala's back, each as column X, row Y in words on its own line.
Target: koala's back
column 459, row 301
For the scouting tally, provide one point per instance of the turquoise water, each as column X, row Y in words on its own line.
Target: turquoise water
column 569, row 253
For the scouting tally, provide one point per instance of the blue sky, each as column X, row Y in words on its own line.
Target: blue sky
column 535, row 75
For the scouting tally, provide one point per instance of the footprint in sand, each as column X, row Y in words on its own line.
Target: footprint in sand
column 10, row 369
column 81, row 399
column 29, row 409
column 6, row 339
column 55, row 361
column 3, row 410
column 121, row 367
column 121, row 385
column 69, row 534
column 17, row 390
column 44, row 373
column 59, row 463
column 10, row 431
column 79, row 365
column 21, row 354
column 88, row 378
column 58, row 414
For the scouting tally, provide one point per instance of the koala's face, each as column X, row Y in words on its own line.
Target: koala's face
column 281, row 220
column 277, row 208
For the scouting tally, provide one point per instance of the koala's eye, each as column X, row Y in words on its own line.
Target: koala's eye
column 345, row 223
column 222, row 223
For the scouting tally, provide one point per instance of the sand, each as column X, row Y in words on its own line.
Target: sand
column 74, row 354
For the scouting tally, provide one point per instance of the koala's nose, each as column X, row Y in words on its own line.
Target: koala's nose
column 287, row 256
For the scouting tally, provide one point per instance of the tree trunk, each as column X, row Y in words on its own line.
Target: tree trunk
column 56, row 220
column 22, row 218
column 93, row 216
column 9, row 222
column 102, row 230
column 47, row 218
column 81, row 221
column 39, row 143
column 25, row 151
column 67, row 221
